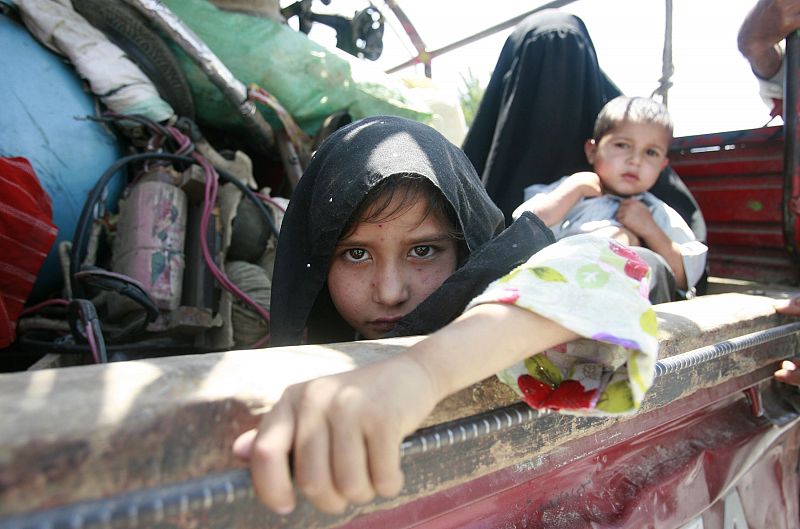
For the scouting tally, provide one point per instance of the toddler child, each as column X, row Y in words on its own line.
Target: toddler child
column 628, row 151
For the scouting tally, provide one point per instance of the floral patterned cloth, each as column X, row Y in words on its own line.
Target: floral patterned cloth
column 597, row 288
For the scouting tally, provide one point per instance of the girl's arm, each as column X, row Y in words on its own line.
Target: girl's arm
column 360, row 417
column 553, row 206
column 342, row 432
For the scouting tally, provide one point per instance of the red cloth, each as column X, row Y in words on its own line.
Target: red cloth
column 777, row 107
column 26, row 235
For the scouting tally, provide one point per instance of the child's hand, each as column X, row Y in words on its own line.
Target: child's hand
column 343, row 433
column 790, row 369
column 636, row 218
column 588, row 183
column 790, row 307
column 789, row 372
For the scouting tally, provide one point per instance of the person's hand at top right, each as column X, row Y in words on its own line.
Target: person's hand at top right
column 789, row 372
column 768, row 23
column 790, row 307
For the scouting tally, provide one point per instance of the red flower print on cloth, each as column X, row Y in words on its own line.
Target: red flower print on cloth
column 509, row 295
column 570, row 395
column 533, row 391
column 622, row 251
column 635, row 266
column 636, row 269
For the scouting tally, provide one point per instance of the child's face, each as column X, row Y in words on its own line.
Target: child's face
column 383, row 270
column 629, row 158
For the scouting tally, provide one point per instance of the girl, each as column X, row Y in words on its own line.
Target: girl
column 390, row 232
column 394, row 163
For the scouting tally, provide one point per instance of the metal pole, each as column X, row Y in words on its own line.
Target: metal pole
column 667, row 68
column 429, row 55
column 791, row 138
column 422, row 52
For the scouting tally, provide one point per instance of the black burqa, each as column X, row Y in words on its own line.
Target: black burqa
column 345, row 168
column 538, row 110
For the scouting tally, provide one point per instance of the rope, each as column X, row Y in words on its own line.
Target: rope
column 667, row 68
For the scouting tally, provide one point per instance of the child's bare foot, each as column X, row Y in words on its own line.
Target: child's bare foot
column 790, row 307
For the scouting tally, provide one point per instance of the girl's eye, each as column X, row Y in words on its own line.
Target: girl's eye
column 356, row 255
column 422, row 251
column 652, row 152
column 621, row 145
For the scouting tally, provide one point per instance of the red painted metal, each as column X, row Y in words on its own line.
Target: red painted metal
column 766, row 160
column 752, row 235
column 737, row 179
column 754, row 398
column 745, row 203
column 791, row 138
column 659, row 470
column 748, row 136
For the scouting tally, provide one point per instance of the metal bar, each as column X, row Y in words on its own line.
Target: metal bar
column 791, row 135
column 422, row 50
column 708, row 353
column 142, row 508
column 478, row 36
column 146, row 507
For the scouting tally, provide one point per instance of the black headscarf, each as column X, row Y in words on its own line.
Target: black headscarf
column 345, row 168
column 538, row 110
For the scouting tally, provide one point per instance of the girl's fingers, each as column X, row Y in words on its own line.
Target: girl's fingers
column 243, row 444
column 383, row 447
column 312, row 462
column 350, row 469
column 343, row 445
column 269, row 458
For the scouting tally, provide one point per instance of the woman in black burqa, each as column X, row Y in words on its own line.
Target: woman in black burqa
column 538, row 110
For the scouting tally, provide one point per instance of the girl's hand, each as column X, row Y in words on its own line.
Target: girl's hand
column 339, row 436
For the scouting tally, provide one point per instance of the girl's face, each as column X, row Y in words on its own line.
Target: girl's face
column 382, row 270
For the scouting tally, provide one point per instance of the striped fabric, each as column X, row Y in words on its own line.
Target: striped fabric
column 26, row 234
